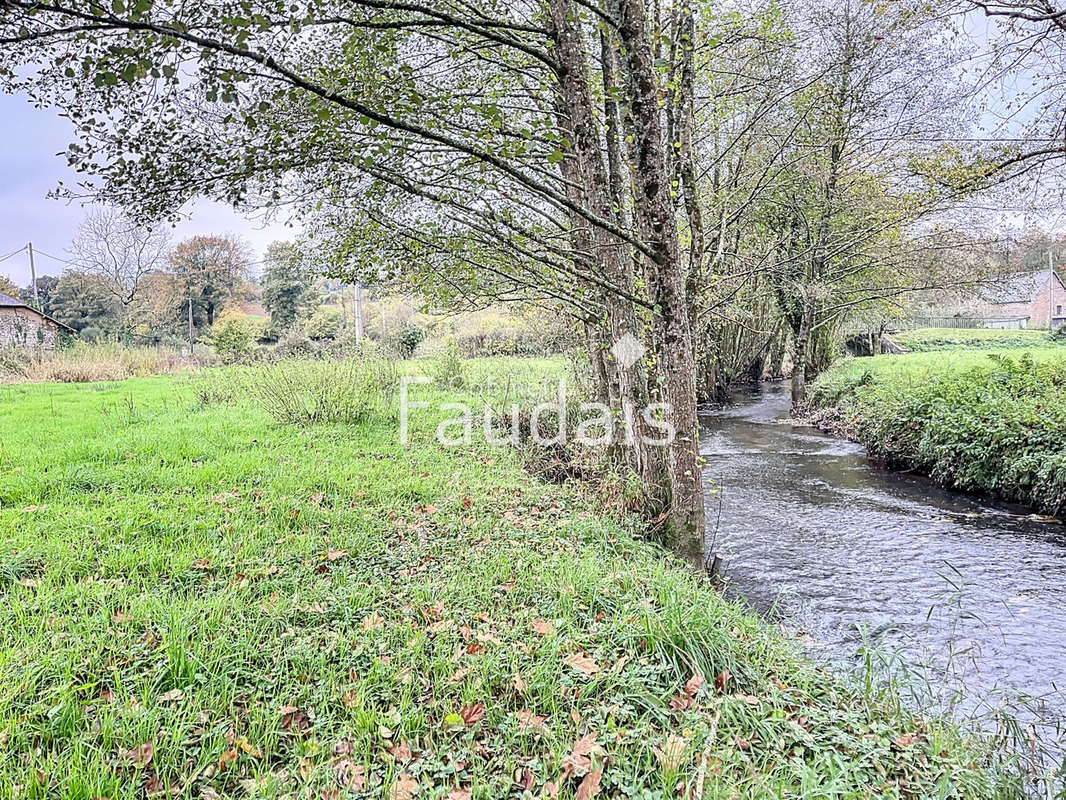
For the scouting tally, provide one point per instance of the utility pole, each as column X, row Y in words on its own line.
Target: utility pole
column 33, row 277
column 358, row 312
column 1050, row 291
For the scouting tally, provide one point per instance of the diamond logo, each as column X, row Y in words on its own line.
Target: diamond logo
column 627, row 350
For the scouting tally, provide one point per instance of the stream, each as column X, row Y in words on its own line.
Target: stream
column 815, row 536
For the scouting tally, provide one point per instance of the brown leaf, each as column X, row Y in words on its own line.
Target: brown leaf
column 544, row 627
column 372, row 620
column 459, row 675
column 401, row 752
column 349, row 774
column 294, row 720
column 226, row 758
column 589, row 787
column 905, row 740
column 551, row 789
column 519, row 684
column 460, row 794
column 527, row 720
column 336, row 555
column 583, row 663
column 722, row 679
column 472, row 714
column 404, row 788
column 140, row 755
column 173, row 696
column 694, row 684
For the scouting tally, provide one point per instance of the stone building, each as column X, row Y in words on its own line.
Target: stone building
column 25, row 327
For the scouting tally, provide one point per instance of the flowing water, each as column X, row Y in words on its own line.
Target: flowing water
column 813, row 534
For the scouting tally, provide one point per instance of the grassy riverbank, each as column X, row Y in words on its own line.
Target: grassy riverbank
column 200, row 601
column 986, row 421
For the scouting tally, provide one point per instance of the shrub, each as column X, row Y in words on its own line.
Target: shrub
column 408, row 340
column 91, row 334
column 233, row 336
column 311, row 392
column 294, row 344
column 325, row 323
column 997, row 428
column 448, row 367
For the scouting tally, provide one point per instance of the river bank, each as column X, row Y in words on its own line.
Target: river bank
column 955, row 599
column 201, row 601
column 988, row 422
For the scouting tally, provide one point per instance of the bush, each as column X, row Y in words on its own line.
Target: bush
column 448, row 367
column 998, row 428
column 91, row 334
column 325, row 323
column 294, row 344
column 408, row 340
column 312, row 392
column 233, row 336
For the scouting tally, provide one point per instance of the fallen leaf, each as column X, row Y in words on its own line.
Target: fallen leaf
column 589, row 787
column 722, row 679
column 694, row 684
column 583, row 663
column 904, row 740
column 401, row 752
column 551, row 789
column 545, row 627
column 349, row 774
column 527, row 720
column 372, row 620
column 519, row 684
column 472, row 714
column 336, row 555
column 404, row 788
column 460, row 794
column 459, row 675
column 140, row 755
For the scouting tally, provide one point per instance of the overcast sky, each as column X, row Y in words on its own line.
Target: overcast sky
column 30, row 138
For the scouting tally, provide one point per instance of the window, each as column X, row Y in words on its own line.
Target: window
column 1058, row 311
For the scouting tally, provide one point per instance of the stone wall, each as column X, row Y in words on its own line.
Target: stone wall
column 25, row 328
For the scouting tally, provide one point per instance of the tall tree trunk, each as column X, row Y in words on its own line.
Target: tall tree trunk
column 800, row 357
column 590, row 185
column 676, row 356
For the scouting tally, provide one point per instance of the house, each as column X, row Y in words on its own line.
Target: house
column 23, row 326
column 1037, row 297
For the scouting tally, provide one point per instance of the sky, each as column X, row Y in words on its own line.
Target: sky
column 30, row 138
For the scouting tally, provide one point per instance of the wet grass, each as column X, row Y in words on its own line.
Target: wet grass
column 200, row 602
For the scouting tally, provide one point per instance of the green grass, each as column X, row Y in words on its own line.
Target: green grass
column 201, row 601
column 992, row 422
column 933, row 339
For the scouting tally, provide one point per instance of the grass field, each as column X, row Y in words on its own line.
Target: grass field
column 930, row 339
column 200, row 602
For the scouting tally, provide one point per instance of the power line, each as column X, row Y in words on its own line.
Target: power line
column 13, row 253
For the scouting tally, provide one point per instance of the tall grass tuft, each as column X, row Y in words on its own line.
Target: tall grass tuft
column 85, row 363
column 299, row 392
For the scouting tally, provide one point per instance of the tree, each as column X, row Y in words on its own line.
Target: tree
column 287, row 285
column 46, row 286
column 207, row 272
column 7, row 286
column 83, row 301
column 121, row 253
column 349, row 100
